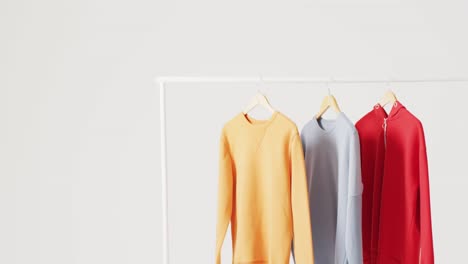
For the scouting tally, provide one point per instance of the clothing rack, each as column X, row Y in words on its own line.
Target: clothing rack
column 162, row 80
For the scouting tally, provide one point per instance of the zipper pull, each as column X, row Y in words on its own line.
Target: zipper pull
column 384, row 126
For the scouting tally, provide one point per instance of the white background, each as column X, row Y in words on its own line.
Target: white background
column 79, row 132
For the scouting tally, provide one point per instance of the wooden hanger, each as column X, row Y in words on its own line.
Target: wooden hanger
column 328, row 101
column 389, row 97
column 259, row 99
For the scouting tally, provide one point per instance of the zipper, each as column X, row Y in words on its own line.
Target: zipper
column 384, row 126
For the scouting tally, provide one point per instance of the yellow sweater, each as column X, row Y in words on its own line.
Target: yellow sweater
column 263, row 192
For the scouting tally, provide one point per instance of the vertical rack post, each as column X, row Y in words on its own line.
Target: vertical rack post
column 164, row 205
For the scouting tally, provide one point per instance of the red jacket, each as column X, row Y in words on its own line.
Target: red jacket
column 396, row 214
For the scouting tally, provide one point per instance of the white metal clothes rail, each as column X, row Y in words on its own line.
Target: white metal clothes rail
column 162, row 80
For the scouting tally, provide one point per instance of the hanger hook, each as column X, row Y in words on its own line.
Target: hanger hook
column 328, row 86
column 260, row 84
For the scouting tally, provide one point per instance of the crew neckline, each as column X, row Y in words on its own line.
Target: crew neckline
column 331, row 123
column 253, row 122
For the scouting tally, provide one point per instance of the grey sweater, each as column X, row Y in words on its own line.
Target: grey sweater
column 332, row 156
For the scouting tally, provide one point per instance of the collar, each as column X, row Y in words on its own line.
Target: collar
column 381, row 113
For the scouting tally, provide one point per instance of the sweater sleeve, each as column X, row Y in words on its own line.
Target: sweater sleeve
column 425, row 223
column 302, row 233
column 225, row 194
column 353, row 235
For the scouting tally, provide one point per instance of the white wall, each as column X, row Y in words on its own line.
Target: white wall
column 79, row 135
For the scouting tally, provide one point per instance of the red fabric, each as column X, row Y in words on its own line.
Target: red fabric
column 396, row 214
